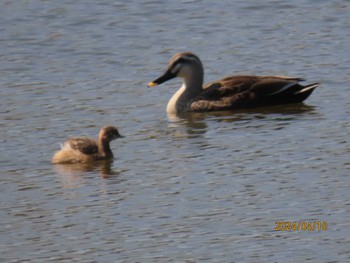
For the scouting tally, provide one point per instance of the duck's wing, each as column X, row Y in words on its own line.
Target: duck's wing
column 228, row 86
column 223, row 94
column 271, row 85
column 247, row 91
column 84, row 145
column 235, row 84
column 280, row 90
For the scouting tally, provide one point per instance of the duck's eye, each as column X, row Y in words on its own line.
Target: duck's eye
column 175, row 69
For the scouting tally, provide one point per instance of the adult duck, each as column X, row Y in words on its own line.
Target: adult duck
column 234, row 92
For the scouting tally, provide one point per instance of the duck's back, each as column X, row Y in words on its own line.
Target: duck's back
column 237, row 92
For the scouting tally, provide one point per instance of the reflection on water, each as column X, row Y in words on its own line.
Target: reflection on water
column 196, row 123
column 235, row 115
column 72, row 175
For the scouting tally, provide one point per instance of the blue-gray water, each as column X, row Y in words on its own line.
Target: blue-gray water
column 203, row 188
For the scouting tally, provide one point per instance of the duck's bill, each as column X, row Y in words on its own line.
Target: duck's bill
column 165, row 77
column 152, row 84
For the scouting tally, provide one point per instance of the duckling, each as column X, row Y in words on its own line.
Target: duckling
column 84, row 150
column 233, row 92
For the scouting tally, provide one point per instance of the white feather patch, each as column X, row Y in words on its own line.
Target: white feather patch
column 65, row 146
column 171, row 107
column 307, row 88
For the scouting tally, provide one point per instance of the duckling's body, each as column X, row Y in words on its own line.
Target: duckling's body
column 83, row 150
column 234, row 92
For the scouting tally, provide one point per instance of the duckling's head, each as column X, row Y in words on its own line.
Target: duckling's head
column 109, row 133
column 185, row 65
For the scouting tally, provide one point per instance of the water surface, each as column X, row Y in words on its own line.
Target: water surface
column 194, row 188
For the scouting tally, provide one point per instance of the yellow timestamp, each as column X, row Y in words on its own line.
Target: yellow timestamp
column 301, row 225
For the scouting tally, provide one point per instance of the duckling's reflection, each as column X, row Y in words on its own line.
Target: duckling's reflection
column 196, row 122
column 72, row 175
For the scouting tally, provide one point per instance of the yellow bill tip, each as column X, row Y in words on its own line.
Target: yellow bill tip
column 152, row 84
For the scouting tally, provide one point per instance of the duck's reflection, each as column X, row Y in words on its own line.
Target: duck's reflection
column 72, row 175
column 195, row 124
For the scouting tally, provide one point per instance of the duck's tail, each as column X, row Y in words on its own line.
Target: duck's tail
column 307, row 89
column 303, row 93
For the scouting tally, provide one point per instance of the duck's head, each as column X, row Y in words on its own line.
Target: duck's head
column 109, row 133
column 185, row 65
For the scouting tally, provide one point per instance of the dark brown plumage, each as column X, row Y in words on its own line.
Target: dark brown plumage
column 234, row 92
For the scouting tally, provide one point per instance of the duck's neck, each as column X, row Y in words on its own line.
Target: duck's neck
column 190, row 89
column 104, row 150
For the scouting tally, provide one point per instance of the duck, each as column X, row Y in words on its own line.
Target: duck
column 229, row 93
column 86, row 150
